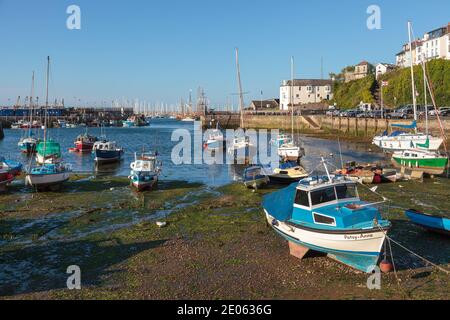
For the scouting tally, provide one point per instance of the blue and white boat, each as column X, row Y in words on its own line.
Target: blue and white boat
column 106, row 152
column 28, row 145
column 49, row 175
column 429, row 222
column 325, row 214
column 144, row 171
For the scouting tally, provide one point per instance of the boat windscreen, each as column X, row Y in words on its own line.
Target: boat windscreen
column 323, row 196
column 346, row 191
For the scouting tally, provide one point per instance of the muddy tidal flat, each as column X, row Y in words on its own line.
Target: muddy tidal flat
column 216, row 245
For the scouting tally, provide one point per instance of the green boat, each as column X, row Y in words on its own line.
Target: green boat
column 426, row 161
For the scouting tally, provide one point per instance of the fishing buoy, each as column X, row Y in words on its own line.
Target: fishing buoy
column 386, row 266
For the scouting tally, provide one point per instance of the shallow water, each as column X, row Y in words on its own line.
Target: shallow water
column 157, row 137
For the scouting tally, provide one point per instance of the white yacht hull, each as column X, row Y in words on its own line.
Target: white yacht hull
column 406, row 142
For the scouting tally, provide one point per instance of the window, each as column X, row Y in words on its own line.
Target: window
column 320, row 219
column 346, row 191
column 301, row 198
column 297, row 96
column 322, row 196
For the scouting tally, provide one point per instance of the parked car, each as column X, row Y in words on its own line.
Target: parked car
column 402, row 113
column 445, row 112
column 432, row 111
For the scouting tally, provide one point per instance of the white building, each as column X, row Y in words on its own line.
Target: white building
column 383, row 68
column 305, row 91
column 434, row 45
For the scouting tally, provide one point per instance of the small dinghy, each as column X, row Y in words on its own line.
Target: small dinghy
column 429, row 222
column 288, row 172
column 254, row 177
column 325, row 214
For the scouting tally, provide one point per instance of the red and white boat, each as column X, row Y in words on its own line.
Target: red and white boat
column 84, row 143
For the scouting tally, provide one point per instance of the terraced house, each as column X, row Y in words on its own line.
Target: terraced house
column 433, row 45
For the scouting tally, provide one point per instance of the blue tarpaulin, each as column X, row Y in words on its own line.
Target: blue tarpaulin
column 279, row 204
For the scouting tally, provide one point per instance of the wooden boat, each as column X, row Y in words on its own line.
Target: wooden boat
column 106, row 152
column 367, row 174
column 420, row 160
column 288, row 172
column 429, row 222
column 325, row 214
column 254, row 177
column 144, row 171
column 48, row 175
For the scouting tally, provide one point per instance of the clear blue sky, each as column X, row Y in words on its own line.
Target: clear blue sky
column 159, row 50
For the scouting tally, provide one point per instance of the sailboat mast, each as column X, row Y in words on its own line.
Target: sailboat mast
column 411, row 62
column 292, row 97
column 241, row 96
column 46, row 102
column 31, row 106
column 425, row 95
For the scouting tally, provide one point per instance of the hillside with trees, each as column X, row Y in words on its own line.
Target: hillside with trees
column 349, row 95
column 398, row 92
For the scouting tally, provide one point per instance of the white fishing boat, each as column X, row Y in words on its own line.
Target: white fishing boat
column 144, row 171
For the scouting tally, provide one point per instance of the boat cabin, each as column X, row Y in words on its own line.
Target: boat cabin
column 105, row 145
column 319, row 202
column 144, row 165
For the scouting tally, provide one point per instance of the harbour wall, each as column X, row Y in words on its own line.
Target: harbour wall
column 360, row 127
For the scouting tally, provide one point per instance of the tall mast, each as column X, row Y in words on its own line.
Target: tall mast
column 425, row 94
column 31, row 105
column 46, row 100
column 412, row 73
column 241, row 96
column 292, row 97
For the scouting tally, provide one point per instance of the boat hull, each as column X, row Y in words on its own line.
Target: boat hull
column 431, row 166
column 27, row 147
column 406, row 142
column 107, row 156
column 83, row 147
column 359, row 249
column 5, row 179
column 42, row 181
column 144, row 185
column 431, row 223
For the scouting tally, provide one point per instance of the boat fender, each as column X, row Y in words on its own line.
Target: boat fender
column 275, row 223
column 386, row 266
